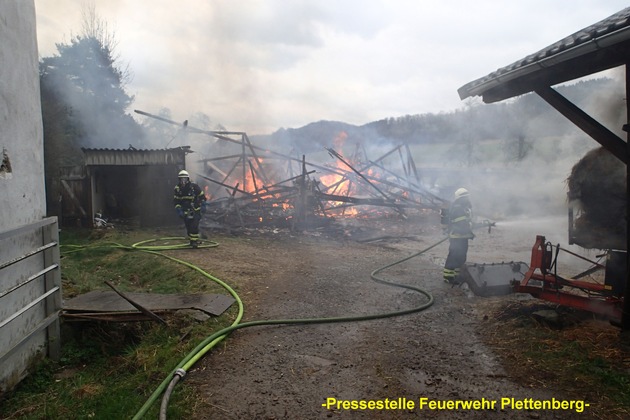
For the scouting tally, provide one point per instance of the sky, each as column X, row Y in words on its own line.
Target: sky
column 261, row 65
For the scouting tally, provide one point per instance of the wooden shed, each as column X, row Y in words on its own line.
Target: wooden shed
column 122, row 184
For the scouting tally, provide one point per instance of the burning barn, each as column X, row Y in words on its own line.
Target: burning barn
column 251, row 186
column 130, row 184
column 246, row 185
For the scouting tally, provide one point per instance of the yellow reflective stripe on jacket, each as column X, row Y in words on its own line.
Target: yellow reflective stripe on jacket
column 460, row 236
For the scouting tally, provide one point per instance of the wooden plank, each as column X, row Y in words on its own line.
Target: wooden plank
column 136, row 305
column 73, row 197
column 106, row 301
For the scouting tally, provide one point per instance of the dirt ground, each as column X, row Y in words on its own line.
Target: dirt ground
column 434, row 356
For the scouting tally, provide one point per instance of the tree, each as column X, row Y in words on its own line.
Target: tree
column 83, row 100
column 84, row 78
column 88, row 77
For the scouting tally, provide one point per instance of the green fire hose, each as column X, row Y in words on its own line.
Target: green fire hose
column 168, row 385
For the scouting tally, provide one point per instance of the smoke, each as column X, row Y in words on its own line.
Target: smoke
column 86, row 79
column 534, row 189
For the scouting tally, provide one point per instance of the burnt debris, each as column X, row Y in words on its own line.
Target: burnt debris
column 253, row 186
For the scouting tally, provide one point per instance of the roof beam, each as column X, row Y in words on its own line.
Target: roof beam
column 586, row 123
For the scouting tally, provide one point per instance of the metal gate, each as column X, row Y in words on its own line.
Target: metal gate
column 30, row 298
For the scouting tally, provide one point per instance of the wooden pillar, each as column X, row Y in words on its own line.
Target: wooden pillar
column 625, row 317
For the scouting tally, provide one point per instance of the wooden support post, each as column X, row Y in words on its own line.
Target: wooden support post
column 244, row 161
column 625, row 314
column 264, row 176
column 590, row 126
column 412, row 163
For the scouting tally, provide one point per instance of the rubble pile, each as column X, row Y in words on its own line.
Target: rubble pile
column 249, row 186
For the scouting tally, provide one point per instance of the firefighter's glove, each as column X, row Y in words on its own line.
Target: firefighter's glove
column 203, row 208
column 180, row 212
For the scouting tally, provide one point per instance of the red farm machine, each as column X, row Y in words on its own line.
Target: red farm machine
column 599, row 289
column 597, row 222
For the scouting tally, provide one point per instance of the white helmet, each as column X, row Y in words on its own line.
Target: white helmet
column 461, row 192
column 183, row 174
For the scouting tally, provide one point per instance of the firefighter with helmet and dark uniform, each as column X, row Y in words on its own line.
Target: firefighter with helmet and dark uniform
column 459, row 226
column 188, row 200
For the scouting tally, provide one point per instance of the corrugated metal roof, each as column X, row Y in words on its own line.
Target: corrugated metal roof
column 122, row 157
column 598, row 47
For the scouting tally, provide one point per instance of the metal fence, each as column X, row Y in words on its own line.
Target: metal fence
column 30, row 298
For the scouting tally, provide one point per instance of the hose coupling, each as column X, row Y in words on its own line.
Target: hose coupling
column 180, row 372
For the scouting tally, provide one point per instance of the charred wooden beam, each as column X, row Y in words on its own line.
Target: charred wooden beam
column 334, row 153
column 412, row 163
column 338, row 156
column 290, row 179
column 234, row 189
column 411, row 187
column 366, row 201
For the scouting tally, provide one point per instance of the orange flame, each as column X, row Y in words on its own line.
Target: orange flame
column 339, row 184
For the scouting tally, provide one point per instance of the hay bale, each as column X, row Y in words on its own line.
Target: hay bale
column 597, row 184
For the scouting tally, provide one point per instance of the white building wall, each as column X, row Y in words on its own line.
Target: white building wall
column 22, row 191
column 22, row 194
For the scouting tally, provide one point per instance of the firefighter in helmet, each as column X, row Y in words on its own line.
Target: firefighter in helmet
column 459, row 226
column 188, row 200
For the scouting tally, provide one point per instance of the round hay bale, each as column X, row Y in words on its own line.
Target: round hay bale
column 598, row 185
column 598, row 182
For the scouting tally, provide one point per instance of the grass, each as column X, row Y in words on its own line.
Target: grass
column 583, row 358
column 108, row 370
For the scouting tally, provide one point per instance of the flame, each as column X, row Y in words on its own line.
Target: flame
column 350, row 212
column 339, row 141
column 341, row 181
column 336, row 183
column 251, row 184
column 339, row 184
